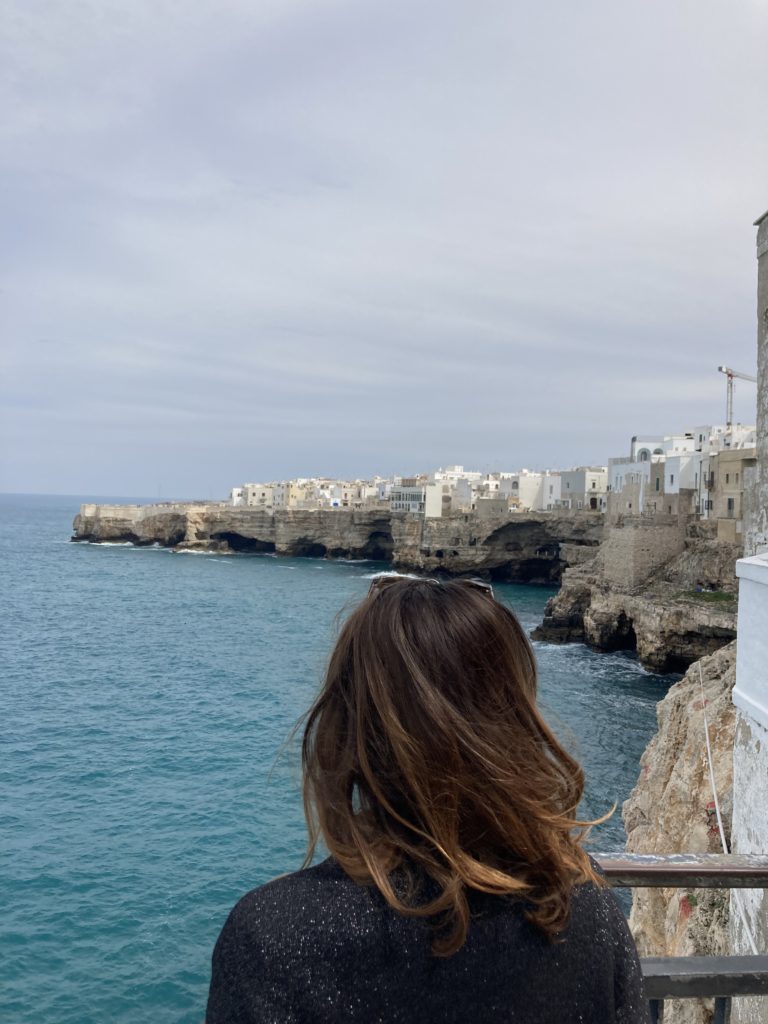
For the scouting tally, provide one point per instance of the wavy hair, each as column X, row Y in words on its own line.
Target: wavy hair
column 425, row 752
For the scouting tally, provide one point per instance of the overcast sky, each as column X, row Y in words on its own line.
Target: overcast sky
column 253, row 239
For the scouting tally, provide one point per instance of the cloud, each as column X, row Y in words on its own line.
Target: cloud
column 344, row 237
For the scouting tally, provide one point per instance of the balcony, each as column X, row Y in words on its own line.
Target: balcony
column 695, row 977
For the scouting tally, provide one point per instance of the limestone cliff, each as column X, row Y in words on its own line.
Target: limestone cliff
column 525, row 547
column 659, row 588
column 671, row 810
column 213, row 526
column 529, row 547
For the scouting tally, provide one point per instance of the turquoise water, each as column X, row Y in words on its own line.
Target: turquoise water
column 145, row 698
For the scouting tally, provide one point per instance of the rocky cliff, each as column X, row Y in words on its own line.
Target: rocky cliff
column 671, row 810
column 528, row 548
column 659, row 588
column 219, row 527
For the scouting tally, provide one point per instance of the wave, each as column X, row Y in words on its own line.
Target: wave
column 109, row 543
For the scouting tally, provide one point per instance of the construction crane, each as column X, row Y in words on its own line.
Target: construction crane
column 730, row 374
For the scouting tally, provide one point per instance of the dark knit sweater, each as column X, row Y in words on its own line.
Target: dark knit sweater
column 316, row 947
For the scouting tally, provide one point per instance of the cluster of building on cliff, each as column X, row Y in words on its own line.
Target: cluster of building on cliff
column 701, row 472
column 439, row 493
column 698, row 472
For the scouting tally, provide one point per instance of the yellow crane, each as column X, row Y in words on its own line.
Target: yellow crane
column 730, row 374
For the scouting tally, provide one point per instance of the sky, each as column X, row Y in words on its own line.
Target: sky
column 247, row 240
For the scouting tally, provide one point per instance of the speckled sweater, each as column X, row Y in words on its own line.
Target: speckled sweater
column 314, row 947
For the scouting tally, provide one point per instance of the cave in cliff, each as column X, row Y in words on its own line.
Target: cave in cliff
column 378, row 547
column 248, row 545
column 305, row 547
column 543, row 571
column 623, row 637
column 523, row 552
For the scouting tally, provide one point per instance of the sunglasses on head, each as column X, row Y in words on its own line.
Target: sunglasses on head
column 381, row 582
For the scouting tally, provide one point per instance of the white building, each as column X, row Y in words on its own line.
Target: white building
column 452, row 474
column 438, row 499
column 584, row 488
column 257, row 495
column 551, row 490
column 523, row 488
column 408, row 496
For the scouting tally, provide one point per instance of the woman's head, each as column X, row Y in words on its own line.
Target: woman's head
column 425, row 750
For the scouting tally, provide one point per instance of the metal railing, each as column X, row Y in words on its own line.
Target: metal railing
column 694, row 977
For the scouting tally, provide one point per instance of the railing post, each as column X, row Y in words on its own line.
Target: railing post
column 722, row 1010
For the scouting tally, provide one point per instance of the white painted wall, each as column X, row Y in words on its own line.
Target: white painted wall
column 551, row 487
column 624, row 471
column 680, row 472
column 749, row 907
column 434, row 492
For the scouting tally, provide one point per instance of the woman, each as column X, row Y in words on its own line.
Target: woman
column 457, row 888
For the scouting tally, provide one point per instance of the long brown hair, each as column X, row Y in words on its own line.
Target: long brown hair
column 425, row 751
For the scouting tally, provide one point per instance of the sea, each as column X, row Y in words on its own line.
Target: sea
column 148, row 776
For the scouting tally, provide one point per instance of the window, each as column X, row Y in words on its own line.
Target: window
column 727, row 478
column 730, row 504
column 671, row 478
column 737, row 478
column 594, row 485
column 658, row 483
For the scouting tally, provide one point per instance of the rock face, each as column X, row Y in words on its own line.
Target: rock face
column 653, row 587
column 219, row 527
column 528, row 548
column 137, row 524
column 671, row 810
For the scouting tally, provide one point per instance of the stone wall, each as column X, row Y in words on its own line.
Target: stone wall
column 756, row 500
column 636, row 546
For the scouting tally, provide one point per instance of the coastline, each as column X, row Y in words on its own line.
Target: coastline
column 628, row 584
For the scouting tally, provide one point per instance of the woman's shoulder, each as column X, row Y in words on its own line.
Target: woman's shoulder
column 278, row 913
column 320, row 882
column 317, row 878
